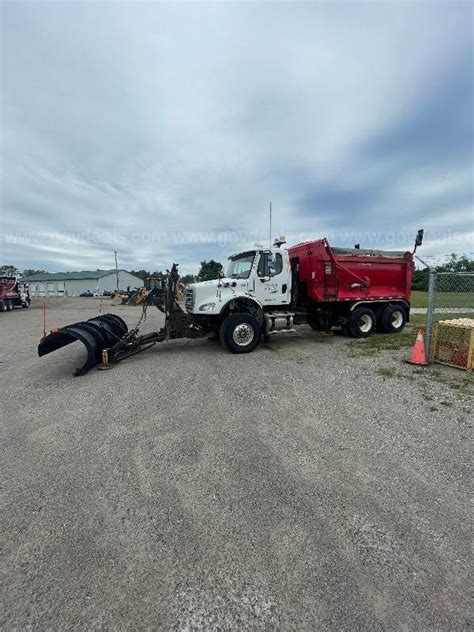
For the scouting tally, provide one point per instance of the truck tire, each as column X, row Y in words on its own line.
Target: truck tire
column 240, row 333
column 392, row 319
column 9, row 305
column 3, row 306
column 362, row 322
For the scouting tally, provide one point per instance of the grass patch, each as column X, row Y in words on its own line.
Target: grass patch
column 457, row 380
column 371, row 346
column 417, row 320
column 443, row 299
column 383, row 342
column 387, row 373
column 419, row 299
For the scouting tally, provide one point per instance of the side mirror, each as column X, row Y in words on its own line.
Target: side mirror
column 418, row 240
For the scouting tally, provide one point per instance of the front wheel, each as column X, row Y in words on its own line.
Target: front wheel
column 9, row 305
column 240, row 333
column 362, row 322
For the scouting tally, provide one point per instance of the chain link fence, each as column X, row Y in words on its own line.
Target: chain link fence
column 450, row 297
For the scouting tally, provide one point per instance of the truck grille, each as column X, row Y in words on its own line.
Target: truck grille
column 189, row 299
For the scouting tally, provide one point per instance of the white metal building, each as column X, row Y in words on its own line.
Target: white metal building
column 74, row 283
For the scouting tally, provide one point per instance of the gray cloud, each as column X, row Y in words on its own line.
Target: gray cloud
column 163, row 129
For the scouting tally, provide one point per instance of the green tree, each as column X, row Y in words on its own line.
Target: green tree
column 30, row 271
column 420, row 280
column 188, row 278
column 143, row 274
column 209, row 270
column 457, row 263
column 10, row 271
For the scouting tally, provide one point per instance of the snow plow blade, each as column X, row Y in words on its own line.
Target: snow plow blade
column 96, row 334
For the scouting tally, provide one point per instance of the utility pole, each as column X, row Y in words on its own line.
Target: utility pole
column 116, row 270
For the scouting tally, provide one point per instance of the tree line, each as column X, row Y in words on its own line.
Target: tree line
column 12, row 271
column 456, row 263
column 208, row 270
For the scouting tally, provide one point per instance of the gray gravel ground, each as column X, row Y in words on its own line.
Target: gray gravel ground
column 298, row 487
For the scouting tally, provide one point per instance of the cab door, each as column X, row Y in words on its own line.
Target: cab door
column 272, row 285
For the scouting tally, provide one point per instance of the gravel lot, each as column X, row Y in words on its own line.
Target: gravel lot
column 304, row 486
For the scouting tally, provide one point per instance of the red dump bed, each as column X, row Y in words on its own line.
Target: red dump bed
column 8, row 289
column 341, row 274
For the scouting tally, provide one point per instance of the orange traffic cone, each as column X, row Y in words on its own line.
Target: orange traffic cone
column 418, row 355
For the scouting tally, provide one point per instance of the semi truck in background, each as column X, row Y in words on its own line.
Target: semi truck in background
column 13, row 293
column 264, row 291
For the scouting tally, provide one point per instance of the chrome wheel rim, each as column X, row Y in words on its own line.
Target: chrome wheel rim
column 397, row 319
column 243, row 334
column 365, row 323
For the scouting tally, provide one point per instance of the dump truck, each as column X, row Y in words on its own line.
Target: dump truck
column 13, row 293
column 265, row 291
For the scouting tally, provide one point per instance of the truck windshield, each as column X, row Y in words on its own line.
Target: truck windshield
column 240, row 266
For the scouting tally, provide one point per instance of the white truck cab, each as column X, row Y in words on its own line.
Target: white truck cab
column 261, row 275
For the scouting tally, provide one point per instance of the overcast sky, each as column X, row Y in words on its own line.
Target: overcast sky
column 163, row 130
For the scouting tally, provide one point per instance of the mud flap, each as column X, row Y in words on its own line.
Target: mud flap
column 96, row 334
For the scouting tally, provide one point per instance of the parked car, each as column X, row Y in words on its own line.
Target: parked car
column 87, row 293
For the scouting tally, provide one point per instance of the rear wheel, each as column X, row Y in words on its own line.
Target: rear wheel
column 9, row 305
column 3, row 306
column 362, row 322
column 392, row 319
column 240, row 333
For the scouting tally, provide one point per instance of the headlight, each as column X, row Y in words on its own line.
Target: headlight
column 207, row 307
